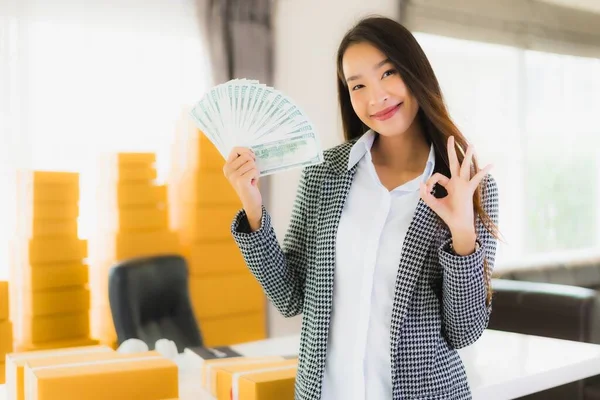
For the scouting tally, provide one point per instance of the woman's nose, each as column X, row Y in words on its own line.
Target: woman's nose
column 377, row 96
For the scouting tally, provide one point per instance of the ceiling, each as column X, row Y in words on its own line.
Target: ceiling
column 586, row 5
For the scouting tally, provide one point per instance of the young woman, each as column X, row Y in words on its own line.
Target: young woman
column 392, row 239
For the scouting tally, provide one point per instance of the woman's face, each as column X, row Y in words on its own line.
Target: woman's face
column 377, row 92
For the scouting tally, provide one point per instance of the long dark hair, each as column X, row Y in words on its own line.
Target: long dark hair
column 405, row 53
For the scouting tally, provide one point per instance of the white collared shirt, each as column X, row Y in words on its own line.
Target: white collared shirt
column 369, row 241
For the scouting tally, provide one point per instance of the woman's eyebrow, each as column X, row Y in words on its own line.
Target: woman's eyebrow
column 378, row 65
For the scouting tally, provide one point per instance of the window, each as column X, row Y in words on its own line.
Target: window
column 90, row 88
column 531, row 115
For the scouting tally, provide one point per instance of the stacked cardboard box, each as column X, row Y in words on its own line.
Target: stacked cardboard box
column 6, row 331
column 50, row 297
column 16, row 363
column 99, row 371
column 247, row 378
column 132, row 221
column 228, row 302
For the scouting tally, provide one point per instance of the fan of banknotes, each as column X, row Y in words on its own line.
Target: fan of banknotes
column 245, row 113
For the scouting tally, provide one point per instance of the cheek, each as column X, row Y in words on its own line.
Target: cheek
column 358, row 104
column 413, row 107
column 395, row 86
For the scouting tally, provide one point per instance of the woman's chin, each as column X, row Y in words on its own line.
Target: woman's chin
column 389, row 129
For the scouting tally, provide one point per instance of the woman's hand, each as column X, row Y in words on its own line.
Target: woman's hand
column 241, row 172
column 456, row 209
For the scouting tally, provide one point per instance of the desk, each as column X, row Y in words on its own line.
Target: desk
column 500, row 365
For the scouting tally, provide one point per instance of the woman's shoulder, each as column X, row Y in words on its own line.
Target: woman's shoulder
column 489, row 186
column 335, row 160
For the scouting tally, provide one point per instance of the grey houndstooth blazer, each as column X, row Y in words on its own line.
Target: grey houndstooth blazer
column 439, row 303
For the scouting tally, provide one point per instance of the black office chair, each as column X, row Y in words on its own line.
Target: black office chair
column 149, row 300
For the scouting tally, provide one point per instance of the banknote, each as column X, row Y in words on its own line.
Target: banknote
column 295, row 151
column 246, row 113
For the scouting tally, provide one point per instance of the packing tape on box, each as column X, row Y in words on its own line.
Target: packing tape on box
column 235, row 388
column 100, row 362
column 211, row 383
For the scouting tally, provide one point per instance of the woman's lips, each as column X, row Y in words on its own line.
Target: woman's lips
column 387, row 113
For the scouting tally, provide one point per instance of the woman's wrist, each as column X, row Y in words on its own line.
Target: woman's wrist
column 254, row 216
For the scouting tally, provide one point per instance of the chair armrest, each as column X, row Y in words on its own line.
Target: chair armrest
column 543, row 309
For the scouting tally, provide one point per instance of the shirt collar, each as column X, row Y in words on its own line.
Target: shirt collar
column 364, row 144
column 360, row 148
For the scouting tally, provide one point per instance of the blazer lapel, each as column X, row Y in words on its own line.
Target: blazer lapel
column 415, row 247
column 332, row 197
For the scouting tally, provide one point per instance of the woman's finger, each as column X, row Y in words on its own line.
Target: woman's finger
column 238, row 151
column 465, row 168
column 247, row 166
column 452, row 158
column 436, row 178
column 238, row 162
column 476, row 180
column 253, row 174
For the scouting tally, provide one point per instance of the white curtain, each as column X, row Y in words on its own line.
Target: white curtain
column 81, row 77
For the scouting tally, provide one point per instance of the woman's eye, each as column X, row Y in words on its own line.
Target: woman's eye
column 389, row 72
column 357, row 87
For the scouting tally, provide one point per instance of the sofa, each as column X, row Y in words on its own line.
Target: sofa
column 558, row 299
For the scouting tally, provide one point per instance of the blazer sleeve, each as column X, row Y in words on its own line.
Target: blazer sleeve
column 464, row 291
column 281, row 270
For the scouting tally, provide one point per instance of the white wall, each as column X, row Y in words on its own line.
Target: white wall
column 308, row 33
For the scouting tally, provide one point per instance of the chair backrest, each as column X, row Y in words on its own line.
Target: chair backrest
column 581, row 270
column 149, row 300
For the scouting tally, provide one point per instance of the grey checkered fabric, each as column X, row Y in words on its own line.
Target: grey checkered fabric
column 439, row 301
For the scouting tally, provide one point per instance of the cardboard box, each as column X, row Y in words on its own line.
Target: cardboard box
column 51, row 250
column 226, row 374
column 15, row 365
column 224, row 331
column 54, row 276
column 135, row 219
column 207, row 188
column 37, row 178
column 114, row 248
column 208, row 224
column 267, row 384
column 212, row 296
column 134, row 160
column 115, row 196
column 4, row 300
column 209, row 258
column 209, row 368
column 55, row 327
column 6, row 338
column 75, row 357
column 144, row 377
column 48, row 228
column 32, row 213
column 30, row 192
column 68, row 359
column 58, row 301
column 196, row 151
column 111, row 171
column 56, row 344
